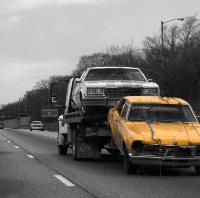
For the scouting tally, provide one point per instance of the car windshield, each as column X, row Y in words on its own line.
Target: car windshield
column 161, row 113
column 114, row 74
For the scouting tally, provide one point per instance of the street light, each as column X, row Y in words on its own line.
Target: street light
column 162, row 39
column 162, row 47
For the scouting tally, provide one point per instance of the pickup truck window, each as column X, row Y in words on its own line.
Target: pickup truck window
column 161, row 113
column 114, row 74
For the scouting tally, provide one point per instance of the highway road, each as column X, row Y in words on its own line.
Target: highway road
column 31, row 167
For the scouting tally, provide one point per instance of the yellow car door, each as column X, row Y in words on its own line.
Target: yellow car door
column 120, row 136
column 115, row 119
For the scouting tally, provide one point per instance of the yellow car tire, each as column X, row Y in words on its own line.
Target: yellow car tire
column 129, row 168
column 197, row 170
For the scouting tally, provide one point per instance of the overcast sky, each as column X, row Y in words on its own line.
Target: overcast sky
column 40, row 38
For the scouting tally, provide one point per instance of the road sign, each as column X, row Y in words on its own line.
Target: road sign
column 49, row 113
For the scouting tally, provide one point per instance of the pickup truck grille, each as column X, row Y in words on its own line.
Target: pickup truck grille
column 121, row 92
column 35, row 125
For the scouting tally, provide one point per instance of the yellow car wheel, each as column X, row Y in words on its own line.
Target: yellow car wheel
column 128, row 166
column 197, row 170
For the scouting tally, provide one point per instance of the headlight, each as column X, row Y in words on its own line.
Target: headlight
column 95, row 91
column 137, row 147
column 150, row 91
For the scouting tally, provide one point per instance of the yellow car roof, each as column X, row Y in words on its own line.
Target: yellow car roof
column 156, row 99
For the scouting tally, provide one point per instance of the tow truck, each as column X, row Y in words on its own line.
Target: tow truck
column 85, row 130
column 85, row 133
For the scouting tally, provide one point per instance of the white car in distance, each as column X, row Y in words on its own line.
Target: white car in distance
column 37, row 125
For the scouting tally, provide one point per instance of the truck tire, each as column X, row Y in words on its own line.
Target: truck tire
column 62, row 150
column 129, row 168
column 74, row 149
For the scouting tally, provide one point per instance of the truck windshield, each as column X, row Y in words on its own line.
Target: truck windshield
column 114, row 74
column 161, row 113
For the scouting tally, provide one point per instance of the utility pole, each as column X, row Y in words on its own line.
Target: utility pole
column 162, row 51
column 162, row 41
column 162, row 34
column 18, row 116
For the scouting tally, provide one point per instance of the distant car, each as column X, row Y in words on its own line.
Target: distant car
column 1, row 125
column 37, row 125
column 104, row 86
column 151, row 130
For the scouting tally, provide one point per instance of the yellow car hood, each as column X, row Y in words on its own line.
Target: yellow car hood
column 167, row 133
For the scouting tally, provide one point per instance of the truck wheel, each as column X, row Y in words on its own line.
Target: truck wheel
column 128, row 166
column 197, row 170
column 74, row 149
column 62, row 150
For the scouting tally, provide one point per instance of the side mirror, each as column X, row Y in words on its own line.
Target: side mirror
column 77, row 80
column 198, row 118
column 150, row 80
column 60, row 118
column 53, row 93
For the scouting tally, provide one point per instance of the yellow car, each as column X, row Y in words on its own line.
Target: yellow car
column 153, row 130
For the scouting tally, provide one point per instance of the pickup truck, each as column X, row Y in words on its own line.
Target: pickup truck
column 104, row 86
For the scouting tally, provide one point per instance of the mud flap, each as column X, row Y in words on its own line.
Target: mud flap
column 87, row 149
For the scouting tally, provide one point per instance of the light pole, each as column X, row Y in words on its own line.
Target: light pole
column 166, row 86
column 162, row 37
column 18, row 114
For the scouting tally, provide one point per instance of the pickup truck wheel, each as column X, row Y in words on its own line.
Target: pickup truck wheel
column 197, row 170
column 62, row 150
column 128, row 166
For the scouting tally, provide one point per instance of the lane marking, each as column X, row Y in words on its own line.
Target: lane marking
column 64, row 180
column 30, row 156
column 16, row 146
column 9, row 141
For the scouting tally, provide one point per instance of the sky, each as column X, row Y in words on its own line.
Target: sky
column 41, row 38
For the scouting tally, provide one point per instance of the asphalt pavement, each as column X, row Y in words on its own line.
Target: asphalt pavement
column 31, row 167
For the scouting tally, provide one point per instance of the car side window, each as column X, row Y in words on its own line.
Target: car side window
column 120, row 105
column 124, row 110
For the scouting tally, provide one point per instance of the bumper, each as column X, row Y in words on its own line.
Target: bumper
column 37, row 128
column 165, row 161
column 107, row 102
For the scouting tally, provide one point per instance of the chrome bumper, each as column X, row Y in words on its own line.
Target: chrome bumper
column 165, row 161
column 107, row 102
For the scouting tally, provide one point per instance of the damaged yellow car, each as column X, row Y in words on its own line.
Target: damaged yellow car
column 152, row 130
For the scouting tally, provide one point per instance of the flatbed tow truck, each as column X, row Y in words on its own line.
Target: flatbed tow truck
column 83, row 125
column 85, row 133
